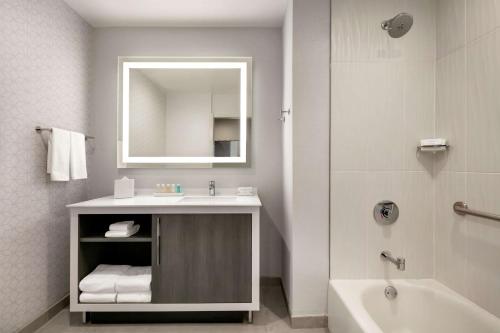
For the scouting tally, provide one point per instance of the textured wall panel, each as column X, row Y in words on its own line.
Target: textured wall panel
column 44, row 80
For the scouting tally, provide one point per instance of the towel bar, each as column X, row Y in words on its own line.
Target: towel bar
column 41, row 129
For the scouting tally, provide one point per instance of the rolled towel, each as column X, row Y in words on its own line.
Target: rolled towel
column 123, row 233
column 144, row 297
column 98, row 297
column 135, row 279
column 121, row 226
column 102, row 279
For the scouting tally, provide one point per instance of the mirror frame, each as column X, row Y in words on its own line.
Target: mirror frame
column 125, row 64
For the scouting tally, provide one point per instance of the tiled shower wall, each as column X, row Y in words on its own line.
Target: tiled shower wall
column 468, row 113
column 44, row 70
column 383, row 103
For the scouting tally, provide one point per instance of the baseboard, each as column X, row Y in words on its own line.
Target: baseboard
column 270, row 281
column 320, row 321
column 46, row 316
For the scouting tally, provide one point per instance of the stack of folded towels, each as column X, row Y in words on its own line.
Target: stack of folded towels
column 122, row 229
column 245, row 191
column 117, row 284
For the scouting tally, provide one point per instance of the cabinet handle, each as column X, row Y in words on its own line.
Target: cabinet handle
column 157, row 241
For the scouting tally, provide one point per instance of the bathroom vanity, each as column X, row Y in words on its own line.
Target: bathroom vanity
column 203, row 250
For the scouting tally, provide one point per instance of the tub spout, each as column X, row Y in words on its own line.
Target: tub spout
column 399, row 262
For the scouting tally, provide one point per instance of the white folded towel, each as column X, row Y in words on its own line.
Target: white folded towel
column 144, row 297
column 245, row 191
column 78, row 158
column 245, row 188
column 102, row 279
column 98, row 297
column 135, row 279
column 121, row 226
column 58, row 155
column 123, row 233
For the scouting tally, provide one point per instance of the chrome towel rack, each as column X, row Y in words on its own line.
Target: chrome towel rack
column 461, row 208
column 42, row 129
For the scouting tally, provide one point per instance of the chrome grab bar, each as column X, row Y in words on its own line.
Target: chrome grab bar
column 461, row 208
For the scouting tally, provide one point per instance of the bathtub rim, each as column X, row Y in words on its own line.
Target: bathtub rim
column 349, row 292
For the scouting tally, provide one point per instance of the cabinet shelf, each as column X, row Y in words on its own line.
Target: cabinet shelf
column 143, row 236
column 102, row 239
column 92, row 228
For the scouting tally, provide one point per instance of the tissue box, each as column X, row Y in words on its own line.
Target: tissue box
column 124, row 188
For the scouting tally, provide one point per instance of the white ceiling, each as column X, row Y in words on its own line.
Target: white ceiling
column 181, row 13
column 199, row 80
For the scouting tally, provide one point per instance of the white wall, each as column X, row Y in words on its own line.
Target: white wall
column 286, row 230
column 306, row 153
column 383, row 93
column 44, row 73
column 227, row 105
column 147, row 116
column 264, row 45
column 468, row 113
column 188, row 124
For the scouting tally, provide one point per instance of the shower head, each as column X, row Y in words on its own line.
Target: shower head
column 399, row 25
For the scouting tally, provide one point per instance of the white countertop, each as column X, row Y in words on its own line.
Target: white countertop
column 185, row 201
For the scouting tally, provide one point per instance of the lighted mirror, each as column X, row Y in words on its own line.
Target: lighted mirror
column 183, row 111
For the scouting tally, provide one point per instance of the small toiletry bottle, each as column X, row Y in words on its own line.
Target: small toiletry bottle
column 178, row 188
column 163, row 190
column 169, row 188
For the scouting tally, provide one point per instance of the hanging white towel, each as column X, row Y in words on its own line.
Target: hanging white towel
column 98, row 297
column 123, row 233
column 121, row 226
column 135, row 279
column 58, row 155
column 102, row 279
column 144, row 297
column 78, row 159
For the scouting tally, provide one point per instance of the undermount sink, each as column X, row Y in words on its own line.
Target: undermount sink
column 209, row 198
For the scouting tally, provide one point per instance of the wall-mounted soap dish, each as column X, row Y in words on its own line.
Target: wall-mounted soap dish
column 433, row 145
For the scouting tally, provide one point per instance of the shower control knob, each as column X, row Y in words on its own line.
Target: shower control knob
column 386, row 212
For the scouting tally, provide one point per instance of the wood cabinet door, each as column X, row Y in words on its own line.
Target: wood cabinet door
column 202, row 258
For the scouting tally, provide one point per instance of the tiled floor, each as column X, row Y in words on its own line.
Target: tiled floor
column 272, row 318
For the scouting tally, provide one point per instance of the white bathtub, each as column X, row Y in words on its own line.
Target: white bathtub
column 422, row 306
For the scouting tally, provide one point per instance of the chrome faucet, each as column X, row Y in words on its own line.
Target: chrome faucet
column 399, row 262
column 211, row 188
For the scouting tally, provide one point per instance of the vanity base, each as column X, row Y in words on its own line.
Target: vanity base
column 225, row 238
